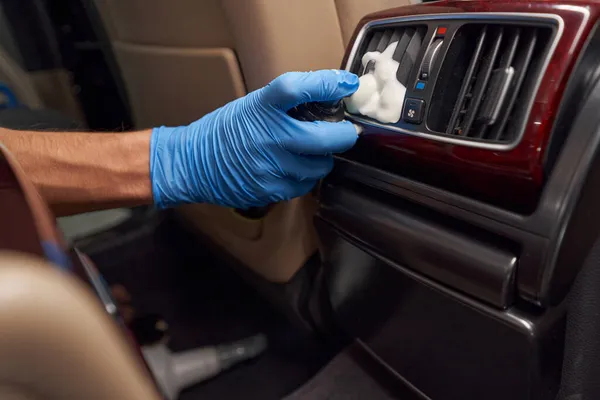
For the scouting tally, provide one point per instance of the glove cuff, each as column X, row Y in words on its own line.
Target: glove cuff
column 165, row 159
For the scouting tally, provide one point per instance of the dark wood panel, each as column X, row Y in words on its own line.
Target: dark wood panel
column 512, row 179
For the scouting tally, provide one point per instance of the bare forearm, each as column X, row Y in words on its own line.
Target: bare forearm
column 78, row 172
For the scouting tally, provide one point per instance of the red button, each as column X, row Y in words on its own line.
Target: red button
column 441, row 30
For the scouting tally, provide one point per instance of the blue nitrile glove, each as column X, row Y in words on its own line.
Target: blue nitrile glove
column 249, row 152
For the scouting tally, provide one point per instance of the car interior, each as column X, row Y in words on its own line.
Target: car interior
column 452, row 254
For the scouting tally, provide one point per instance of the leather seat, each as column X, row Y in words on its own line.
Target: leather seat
column 52, row 326
column 181, row 59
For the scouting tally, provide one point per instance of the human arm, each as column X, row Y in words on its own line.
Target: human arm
column 79, row 172
column 246, row 153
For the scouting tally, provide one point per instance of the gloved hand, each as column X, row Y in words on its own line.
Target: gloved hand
column 250, row 153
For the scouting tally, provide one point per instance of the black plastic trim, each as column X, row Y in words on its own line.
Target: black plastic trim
column 576, row 240
column 383, row 373
column 518, row 318
column 581, row 364
column 585, row 73
column 445, row 254
column 403, row 318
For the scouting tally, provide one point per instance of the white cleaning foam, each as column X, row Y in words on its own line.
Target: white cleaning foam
column 380, row 96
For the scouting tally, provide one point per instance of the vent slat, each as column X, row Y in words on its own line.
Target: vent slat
column 480, row 131
column 523, row 59
column 509, row 55
column 384, row 42
column 397, row 35
column 410, row 56
column 407, row 35
column 467, row 82
column 506, row 61
column 482, row 80
column 374, row 42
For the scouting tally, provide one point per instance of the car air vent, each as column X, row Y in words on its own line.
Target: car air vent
column 468, row 79
column 409, row 41
column 486, row 83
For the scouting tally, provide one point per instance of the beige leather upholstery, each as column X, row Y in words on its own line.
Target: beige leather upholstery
column 351, row 11
column 178, row 23
column 174, row 99
column 275, row 247
column 183, row 58
column 57, row 342
column 176, row 57
column 277, row 36
column 269, row 37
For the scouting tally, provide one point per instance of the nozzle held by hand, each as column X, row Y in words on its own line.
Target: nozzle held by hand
column 329, row 111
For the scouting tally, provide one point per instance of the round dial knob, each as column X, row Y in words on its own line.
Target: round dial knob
column 430, row 57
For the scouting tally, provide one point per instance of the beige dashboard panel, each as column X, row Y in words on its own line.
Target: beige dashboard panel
column 57, row 342
column 175, row 86
column 275, row 247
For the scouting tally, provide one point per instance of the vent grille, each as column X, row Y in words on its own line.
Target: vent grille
column 487, row 80
column 410, row 41
column 473, row 82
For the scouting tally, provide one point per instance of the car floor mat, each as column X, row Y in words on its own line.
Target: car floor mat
column 204, row 303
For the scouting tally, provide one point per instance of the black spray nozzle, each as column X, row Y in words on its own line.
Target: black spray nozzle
column 330, row 111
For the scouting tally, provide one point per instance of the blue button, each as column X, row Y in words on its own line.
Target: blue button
column 420, row 86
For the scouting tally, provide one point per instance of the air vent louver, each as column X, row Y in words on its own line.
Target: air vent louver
column 487, row 81
column 471, row 78
column 410, row 41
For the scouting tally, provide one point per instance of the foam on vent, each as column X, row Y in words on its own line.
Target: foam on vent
column 380, row 95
